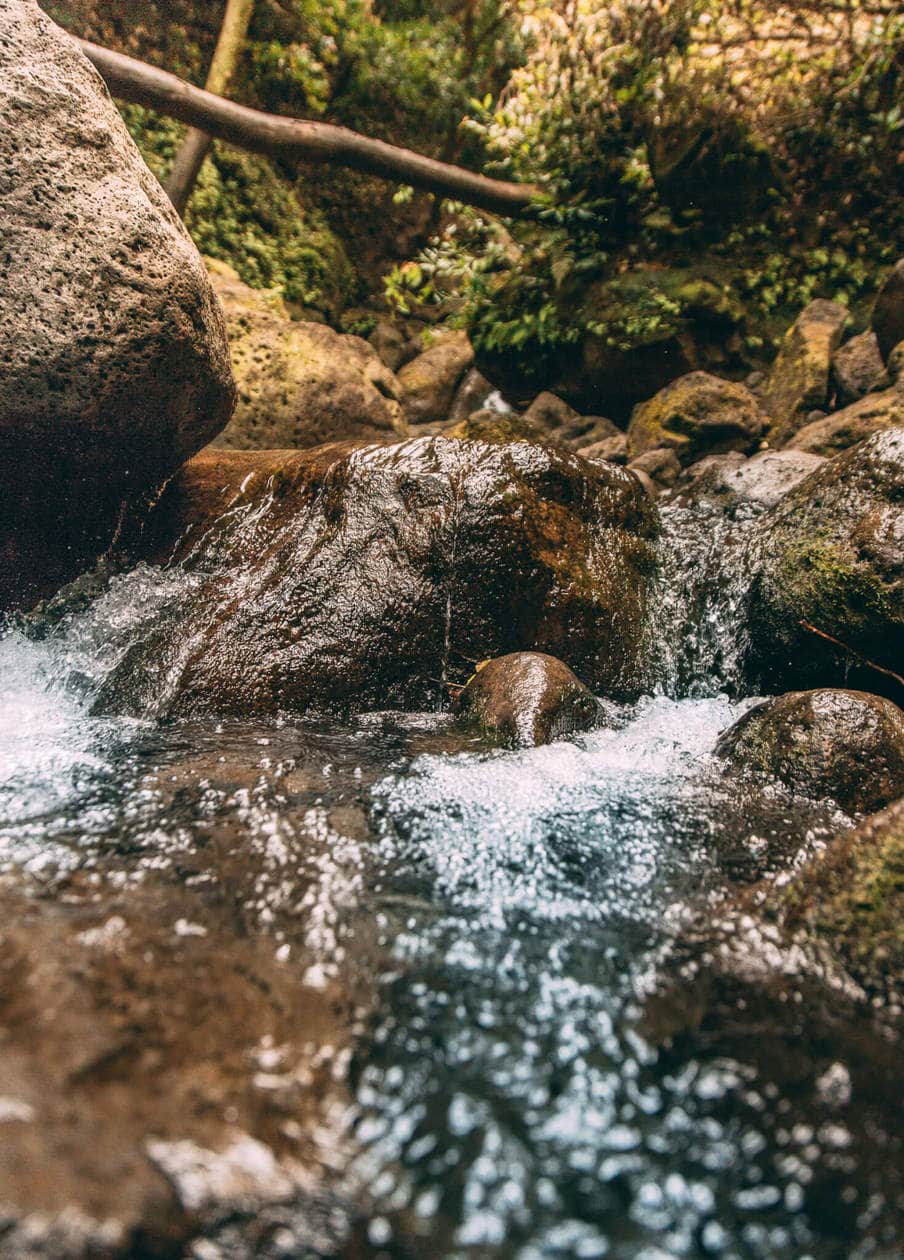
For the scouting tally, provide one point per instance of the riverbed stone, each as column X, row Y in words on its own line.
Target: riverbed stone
column 115, row 362
column 697, row 415
column 850, row 897
column 828, row 559
column 833, row 742
column 428, row 383
column 888, row 313
column 852, row 424
column 858, row 369
column 730, row 479
column 370, row 577
column 299, row 383
column 799, row 378
column 528, row 698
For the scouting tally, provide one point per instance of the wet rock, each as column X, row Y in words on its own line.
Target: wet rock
column 697, row 415
column 850, row 898
column 366, row 578
column 888, row 313
column 858, row 369
column 470, row 396
column 846, row 428
column 847, row 745
column 799, row 378
column 115, row 360
column 300, row 384
column 528, row 698
column 428, row 383
column 495, row 426
column 660, row 465
column 829, row 557
column 763, row 479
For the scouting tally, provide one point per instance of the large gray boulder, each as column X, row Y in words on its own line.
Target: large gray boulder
column 115, row 363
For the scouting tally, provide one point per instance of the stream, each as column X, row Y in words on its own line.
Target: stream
column 518, row 1053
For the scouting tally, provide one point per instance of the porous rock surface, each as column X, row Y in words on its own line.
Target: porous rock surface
column 115, row 364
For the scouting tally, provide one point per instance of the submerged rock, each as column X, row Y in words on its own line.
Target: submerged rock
column 300, row 384
column 888, row 312
column 528, row 698
column 697, row 415
column 799, row 378
column 853, row 424
column 116, row 367
column 428, row 383
column 370, row 577
column 829, row 558
column 846, row 745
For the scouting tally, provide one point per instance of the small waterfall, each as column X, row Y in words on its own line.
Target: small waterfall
column 697, row 623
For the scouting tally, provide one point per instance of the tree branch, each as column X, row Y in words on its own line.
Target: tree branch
column 300, row 139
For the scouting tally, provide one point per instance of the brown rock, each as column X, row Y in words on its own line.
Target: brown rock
column 847, row 745
column 888, row 312
column 799, row 378
column 428, row 383
column 858, row 369
column 853, row 424
column 364, row 577
column 697, row 415
column 528, row 698
column 614, row 449
column 660, row 465
column 470, row 396
column 300, row 384
column 115, row 363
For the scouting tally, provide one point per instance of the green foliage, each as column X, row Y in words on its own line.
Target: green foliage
column 245, row 214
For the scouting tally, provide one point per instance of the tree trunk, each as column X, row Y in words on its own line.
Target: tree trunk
column 298, row 139
column 196, row 145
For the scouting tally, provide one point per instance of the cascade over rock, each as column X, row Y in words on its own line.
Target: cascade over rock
column 368, row 577
column 115, row 364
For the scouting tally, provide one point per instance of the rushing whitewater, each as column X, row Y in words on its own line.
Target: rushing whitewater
column 510, row 1081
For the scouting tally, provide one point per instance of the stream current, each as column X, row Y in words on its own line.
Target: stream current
column 534, row 1064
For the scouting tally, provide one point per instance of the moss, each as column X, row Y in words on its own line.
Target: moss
column 852, row 898
column 820, row 582
column 245, row 213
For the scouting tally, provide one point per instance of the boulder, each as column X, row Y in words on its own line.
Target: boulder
column 397, row 341
column 888, row 313
column 527, row 698
column 660, row 465
column 614, row 449
column 799, row 378
column 115, row 362
column 895, row 364
column 852, row 424
column 428, row 383
column 846, row 745
column 299, row 383
column 369, row 577
column 763, row 479
column 829, row 558
column 850, row 897
column 565, row 425
column 470, row 396
column 858, row 369
column 697, row 415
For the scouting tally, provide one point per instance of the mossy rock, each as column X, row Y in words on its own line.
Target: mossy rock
column 851, row 897
column 697, row 415
column 828, row 560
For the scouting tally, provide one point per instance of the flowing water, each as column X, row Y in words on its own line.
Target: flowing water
column 532, row 1060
